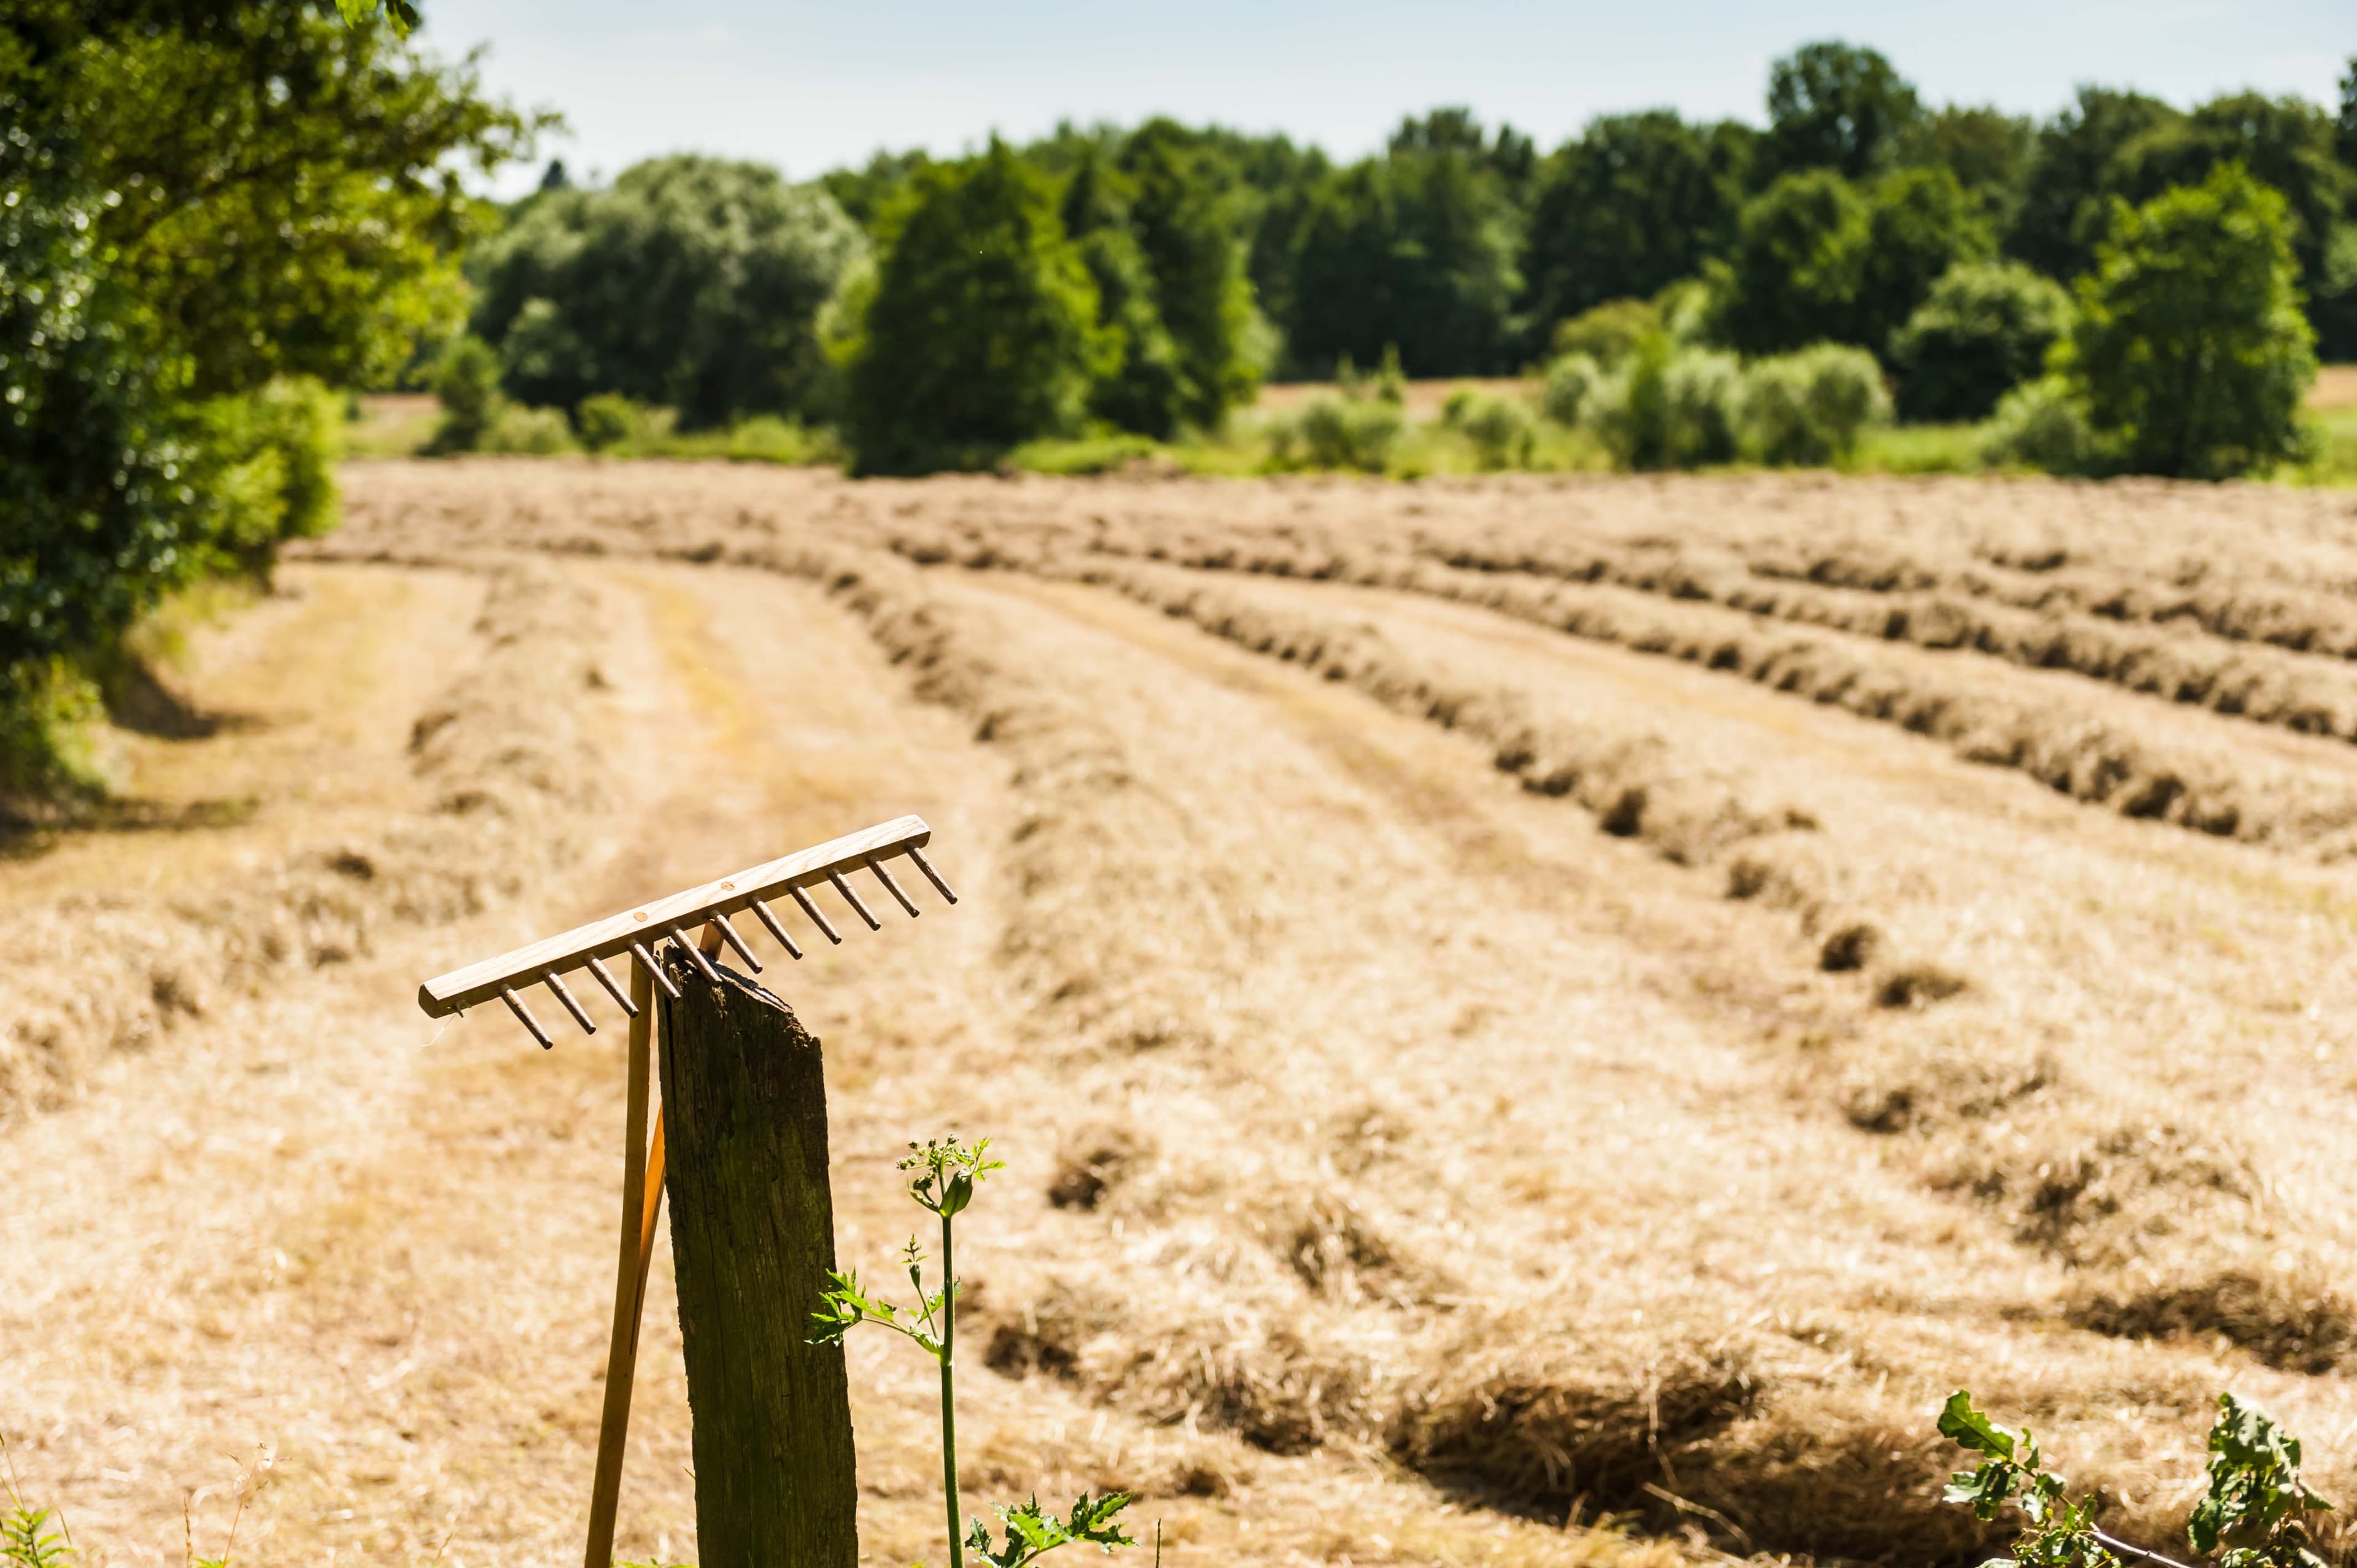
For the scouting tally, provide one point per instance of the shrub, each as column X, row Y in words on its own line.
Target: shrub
column 466, row 384
column 982, row 330
column 264, row 468
column 1339, row 433
column 693, row 282
column 1610, row 332
column 766, row 438
column 533, row 431
column 1811, row 408
column 605, row 421
column 2190, row 350
column 1668, row 408
column 1501, row 429
column 1985, row 327
column 1568, row 383
column 2041, row 425
column 1700, row 392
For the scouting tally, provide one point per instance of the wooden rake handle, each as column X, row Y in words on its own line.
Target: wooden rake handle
column 642, row 1190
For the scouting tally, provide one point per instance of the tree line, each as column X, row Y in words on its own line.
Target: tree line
column 1146, row 278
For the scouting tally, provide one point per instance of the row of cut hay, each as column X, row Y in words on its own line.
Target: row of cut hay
column 509, row 763
column 2107, row 753
column 2262, row 683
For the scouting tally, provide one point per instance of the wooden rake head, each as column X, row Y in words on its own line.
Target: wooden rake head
column 636, row 931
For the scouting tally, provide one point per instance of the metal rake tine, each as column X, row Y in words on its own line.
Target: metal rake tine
column 523, row 1015
column 728, row 934
column 639, row 951
column 813, row 911
column 853, row 899
column 762, row 911
column 931, row 874
column 891, row 887
column 695, row 954
column 621, row 998
column 549, row 977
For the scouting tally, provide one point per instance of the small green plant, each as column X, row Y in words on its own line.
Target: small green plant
column 26, row 1538
column 2253, row 1516
column 944, row 1172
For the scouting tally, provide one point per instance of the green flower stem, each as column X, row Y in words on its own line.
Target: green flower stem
column 949, row 1393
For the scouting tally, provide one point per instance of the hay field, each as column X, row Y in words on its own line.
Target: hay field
column 1512, row 1006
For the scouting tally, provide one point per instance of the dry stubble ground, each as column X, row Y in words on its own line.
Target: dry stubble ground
column 1505, row 1002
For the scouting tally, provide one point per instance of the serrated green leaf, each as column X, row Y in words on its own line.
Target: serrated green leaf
column 1968, row 1428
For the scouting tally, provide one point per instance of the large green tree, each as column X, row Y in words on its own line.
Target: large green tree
column 196, row 198
column 1415, row 250
column 1838, row 106
column 981, row 330
column 1181, row 209
column 2066, row 199
column 1638, row 203
column 2189, row 350
column 1987, row 150
column 2286, row 144
column 694, row 281
column 1142, row 387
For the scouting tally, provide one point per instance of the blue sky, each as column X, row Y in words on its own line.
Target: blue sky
column 808, row 87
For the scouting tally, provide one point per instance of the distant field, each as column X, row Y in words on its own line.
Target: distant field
column 1506, row 1001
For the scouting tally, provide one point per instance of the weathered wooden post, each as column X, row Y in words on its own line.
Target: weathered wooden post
column 753, row 1230
column 752, row 1237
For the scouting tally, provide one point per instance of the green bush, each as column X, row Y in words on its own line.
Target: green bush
column 1503, row 429
column 2041, row 425
column 466, row 385
column 1330, row 431
column 1811, row 408
column 1569, row 380
column 528, row 432
column 264, row 469
column 1668, row 408
column 981, row 332
column 694, row 281
column 1700, row 392
column 1610, row 332
column 605, row 421
column 2189, row 350
column 1986, row 328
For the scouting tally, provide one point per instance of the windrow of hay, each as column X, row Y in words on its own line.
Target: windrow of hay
column 2109, row 754
column 2267, row 684
column 507, row 760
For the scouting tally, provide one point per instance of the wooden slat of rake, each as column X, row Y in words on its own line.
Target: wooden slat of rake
column 616, row 934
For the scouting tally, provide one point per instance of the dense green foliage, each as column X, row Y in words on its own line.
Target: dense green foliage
column 1414, row 251
column 1836, row 106
column 1985, row 327
column 196, row 202
column 982, row 330
column 1636, row 203
column 2189, row 350
column 693, row 282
